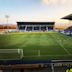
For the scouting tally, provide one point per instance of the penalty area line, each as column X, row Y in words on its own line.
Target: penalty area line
column 46, row 55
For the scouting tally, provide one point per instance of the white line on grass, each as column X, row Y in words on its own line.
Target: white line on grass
column 45, row 55
column 22, row 55
column 65, row 49
column 59, row 42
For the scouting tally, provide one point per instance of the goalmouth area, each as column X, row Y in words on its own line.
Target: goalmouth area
column 35, row 46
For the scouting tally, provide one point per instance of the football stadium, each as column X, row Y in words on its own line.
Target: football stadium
column 35, row 46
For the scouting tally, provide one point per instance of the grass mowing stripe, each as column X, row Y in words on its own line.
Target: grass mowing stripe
column 38, row 52
column 30, row 48
column 12, row 40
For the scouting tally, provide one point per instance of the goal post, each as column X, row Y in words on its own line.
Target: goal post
column 20, row 51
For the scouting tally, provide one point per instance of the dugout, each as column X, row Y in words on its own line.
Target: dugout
column 35, row 26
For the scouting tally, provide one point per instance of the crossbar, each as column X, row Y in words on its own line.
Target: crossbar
column 9, row 50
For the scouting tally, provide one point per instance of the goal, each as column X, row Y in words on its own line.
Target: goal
column 8, row 53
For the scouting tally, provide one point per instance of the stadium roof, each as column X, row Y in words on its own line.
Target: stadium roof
column 68, row 17
column 69, row 28
column 35, row 23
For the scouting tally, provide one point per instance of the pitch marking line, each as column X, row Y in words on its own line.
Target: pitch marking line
column 22, row 55
column 59, row 42
column 46, row 55
column 63, row 47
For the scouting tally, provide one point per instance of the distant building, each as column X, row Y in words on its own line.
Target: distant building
column 35, row 26
column 8, row 28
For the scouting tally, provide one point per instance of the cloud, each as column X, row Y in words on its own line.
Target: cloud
column 46, row 2
column 54, row 2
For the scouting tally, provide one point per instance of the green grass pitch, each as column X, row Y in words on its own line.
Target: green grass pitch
column 37, row 46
